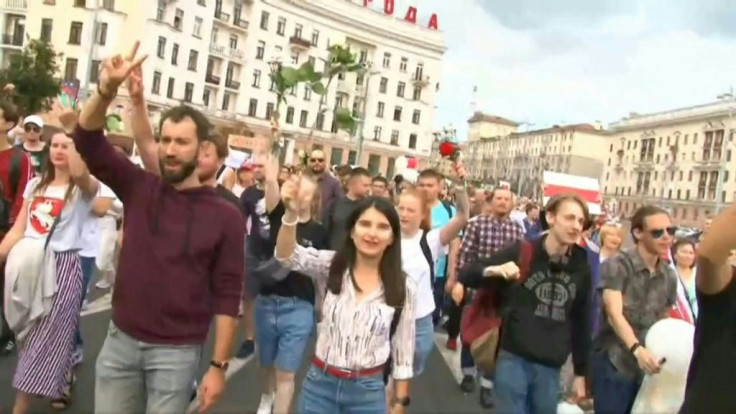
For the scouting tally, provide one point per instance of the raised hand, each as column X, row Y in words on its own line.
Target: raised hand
column 135, row 85
column 116, row 70
column 77, row 167
column 290, row 193
column 67, row 116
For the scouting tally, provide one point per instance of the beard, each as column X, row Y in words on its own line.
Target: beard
column 187, row 169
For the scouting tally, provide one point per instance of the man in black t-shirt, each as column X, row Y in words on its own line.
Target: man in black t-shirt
column 710, row 379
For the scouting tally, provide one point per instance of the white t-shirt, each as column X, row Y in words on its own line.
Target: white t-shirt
column 414, row 264
column 44, row 207
column 90, row 239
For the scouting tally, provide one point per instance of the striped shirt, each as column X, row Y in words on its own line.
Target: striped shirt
column 355, row 335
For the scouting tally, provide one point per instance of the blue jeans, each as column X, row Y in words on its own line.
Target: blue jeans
column 323, row 393
column 524, row 387
column 88, row 268
column 136, row 377
column 283, row 327
column 424, row 343
column 613, row 393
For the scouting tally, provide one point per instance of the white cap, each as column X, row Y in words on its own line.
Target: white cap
column 33, row 119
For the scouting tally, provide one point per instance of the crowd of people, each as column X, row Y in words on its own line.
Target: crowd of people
column 545, row 302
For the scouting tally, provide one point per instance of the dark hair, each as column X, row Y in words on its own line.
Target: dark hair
column 530, row 207
column 679, row 243
column 344, row 169
column 430, row 173
column 638, row 220
column 393, row 278
column 380, row 179
column 179, row 113
column 220, row 144
column 359, row 172
column 554, row 204
column 10, row 113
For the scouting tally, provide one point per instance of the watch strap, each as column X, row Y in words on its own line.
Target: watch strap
column 221, row 365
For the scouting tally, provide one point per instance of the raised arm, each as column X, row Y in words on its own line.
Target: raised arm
column 140, row 124
column 453, row 228
column 714, row 271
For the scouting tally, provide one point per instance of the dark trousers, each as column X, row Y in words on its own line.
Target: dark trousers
column 455, row 315
column 613, row 393
column 438, row 288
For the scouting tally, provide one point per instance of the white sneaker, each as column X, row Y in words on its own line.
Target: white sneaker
column 266, row 406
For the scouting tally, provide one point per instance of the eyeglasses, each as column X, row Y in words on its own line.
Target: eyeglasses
column 316, row 160
column 33, row 128
column 657, row 233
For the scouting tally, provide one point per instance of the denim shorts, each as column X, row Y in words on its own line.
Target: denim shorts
column 423, row 343
column 323, row 393
column 283, row 328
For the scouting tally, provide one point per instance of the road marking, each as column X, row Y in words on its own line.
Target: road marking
column 236, row 365
column 98, row 305
column 452, row 358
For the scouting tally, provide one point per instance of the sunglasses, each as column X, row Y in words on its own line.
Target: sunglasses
column 317, row 160
column 657, row 233
column 33, row 128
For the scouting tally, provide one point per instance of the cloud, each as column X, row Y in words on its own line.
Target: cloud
column 533, row 14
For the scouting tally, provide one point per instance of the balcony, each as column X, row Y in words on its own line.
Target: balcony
column 212, row 79
column 13, row 39
column 232, row 84
column 297, row 43
column 227, row 53
column 14, row 5
column 240, row 23
column 222, row 16
column 421, row 81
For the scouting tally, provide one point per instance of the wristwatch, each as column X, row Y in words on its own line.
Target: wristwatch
column 220, row 365
column 403, row 401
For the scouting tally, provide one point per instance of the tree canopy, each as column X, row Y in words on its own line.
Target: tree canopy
column 33, row 72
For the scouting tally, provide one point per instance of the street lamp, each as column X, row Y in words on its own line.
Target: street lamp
column 731, row 98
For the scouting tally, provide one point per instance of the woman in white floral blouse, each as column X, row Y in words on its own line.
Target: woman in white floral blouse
column 367, row 326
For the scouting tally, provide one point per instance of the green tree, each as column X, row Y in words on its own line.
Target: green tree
column 340, row 61
column 33, row 73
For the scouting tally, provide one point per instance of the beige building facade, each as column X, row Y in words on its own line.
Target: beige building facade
column 497, row 151
column 673, row 159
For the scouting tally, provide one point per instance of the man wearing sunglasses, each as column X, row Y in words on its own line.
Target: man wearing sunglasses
column 641, row 279
column 329, row 187
column 32, row 144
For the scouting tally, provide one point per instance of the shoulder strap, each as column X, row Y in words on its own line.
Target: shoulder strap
column 15, row 171
column 526, row 252
column 51, row 231
column 447, row 207
column 427, row 254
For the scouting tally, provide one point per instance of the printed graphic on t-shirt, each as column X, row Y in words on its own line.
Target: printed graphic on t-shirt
column 265, row 225
column 42, row 213
column 553, row 292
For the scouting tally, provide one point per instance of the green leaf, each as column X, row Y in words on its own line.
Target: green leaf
column 316, row 77
column 319, row 88
column 290, row 76
column 355, row 67
column 344, row 119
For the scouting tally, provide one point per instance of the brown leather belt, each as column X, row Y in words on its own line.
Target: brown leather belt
column 347, row 373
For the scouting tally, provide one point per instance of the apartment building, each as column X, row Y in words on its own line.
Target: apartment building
column 496, row 150
column 674, row 159
column 12, row 27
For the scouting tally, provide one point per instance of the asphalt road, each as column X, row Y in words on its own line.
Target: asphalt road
column 436, row 391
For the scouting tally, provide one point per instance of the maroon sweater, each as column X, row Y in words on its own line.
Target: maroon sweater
column 182, row 260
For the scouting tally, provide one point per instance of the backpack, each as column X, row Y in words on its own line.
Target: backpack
column 482, row 321
column 6, row 205
column 448, row 207
column 427, row 255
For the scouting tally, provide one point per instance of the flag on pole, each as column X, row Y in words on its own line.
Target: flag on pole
column 70, row 93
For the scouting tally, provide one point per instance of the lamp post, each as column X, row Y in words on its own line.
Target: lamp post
column 368, row 74
column 730, row 98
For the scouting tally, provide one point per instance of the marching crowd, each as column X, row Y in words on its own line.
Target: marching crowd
column 546, row 304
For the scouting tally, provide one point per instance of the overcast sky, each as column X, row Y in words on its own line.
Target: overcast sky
column 562, row 61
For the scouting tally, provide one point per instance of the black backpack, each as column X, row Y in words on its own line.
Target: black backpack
column 6, row 205
column 427, row 255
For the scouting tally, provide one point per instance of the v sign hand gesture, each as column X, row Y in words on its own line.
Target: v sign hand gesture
column 116, row 69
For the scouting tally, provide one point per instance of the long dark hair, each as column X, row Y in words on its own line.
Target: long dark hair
column 393, row 278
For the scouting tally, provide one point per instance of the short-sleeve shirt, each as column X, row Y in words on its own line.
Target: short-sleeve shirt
column 90, row 237
column 440, row 218
column 415, row 265
column 647, row 298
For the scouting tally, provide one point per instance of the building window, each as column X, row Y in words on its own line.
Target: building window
column 381, row 108
column 101, row 33
column 320, row 121
column 415, row 117
column 417, row 95
column 363, row 56
column 256, row 78
column 413, row 141
column 352, row 157
column 419, row 72
column 377, row 133
column 374, row 162
column 175, row 54
column 47, row 26
column 170, row 88
column 359, row 80
column 75, row 33
column 193, row 56
column 390, row 167
column 387, row 60
column 70, row 70
column 188, row 91
column 400, row 89
column 315, row 37
column 307, row 93
column 206, row 97
column 160, row 11
column 264, row 20
column 156, row 85
column 295, row 59
column 290, row 115
column 402, row 64
column 395, row 137
column 178, row 19
column 253, row 107
column 161, row 49
column 233, row 42
column 108, row 5
column 197, row 26
column 298, row 31
column 94, row 71
column 281, row 26
column 397, row 113
column 260, row 50
column 226, row 102
column 269, row 110
column 336, row 156
column 303, row 119
column 383, row 86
